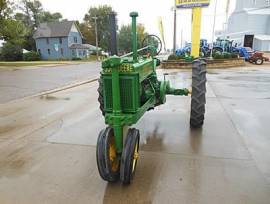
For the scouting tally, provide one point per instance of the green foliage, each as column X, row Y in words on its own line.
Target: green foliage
column 5, row 9
column 11, row 52
column 76, row 58
column 31, row 14
column 227, row 55
column 218, row 55
column 124, row 37
column 176, row 57
column 101, row 13
column 31, row 56
column 87, row 32
column 235, row 55
column 14, row 32
column 50, row 17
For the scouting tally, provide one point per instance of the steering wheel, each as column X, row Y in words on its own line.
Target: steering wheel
column 154, row 41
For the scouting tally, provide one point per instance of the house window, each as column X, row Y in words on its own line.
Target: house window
column 62, row 51
column 75, row 40
column 73, row 53
column 84, row 53
column 80, row 53
column 47, row 40
column 39, row 51
column 60, row 40
column 49, row 52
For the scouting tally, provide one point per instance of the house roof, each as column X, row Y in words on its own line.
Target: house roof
column 78, row 46
column 55, row 29
column 262, row 37
column 83, row 46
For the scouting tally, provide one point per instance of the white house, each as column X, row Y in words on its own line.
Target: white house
column 249, row 24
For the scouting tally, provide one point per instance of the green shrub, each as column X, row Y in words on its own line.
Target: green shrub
column 235, row 55
column 31, row 56
column 172, row 57
column 227, row 55
column 11, row 52
column 76, row 58
column 175, row 57
column 218, row 56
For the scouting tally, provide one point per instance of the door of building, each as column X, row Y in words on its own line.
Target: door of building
column 248, row 42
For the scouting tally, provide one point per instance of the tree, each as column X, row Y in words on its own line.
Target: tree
column 124, row 37
column 50, row 17
column 5, row 9
column 88, row 33
column 11, row 52
column 31, row 15
column 14, row 32
column 102, row 13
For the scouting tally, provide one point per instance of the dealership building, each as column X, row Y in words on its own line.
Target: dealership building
column 249, row 24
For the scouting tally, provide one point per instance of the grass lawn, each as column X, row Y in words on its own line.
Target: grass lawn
column 35, row 63
column 22, row 64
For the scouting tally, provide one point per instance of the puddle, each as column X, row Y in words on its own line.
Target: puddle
column 50, row 97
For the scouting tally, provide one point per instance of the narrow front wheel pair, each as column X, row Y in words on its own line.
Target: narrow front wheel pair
column 113, row 166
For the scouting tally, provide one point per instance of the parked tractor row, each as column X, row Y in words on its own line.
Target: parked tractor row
column 222, row 46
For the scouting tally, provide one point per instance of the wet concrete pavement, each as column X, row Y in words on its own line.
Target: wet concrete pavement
column 18, row 83
column 47, row 147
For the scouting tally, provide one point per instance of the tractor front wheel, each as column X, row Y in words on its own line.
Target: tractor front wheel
column 130, row 156
column 198, row 99
column 259, row 61
column 108, row 161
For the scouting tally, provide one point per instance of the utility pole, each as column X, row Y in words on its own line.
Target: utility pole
column 174, row 31
column 213, row 31
column 96, row 30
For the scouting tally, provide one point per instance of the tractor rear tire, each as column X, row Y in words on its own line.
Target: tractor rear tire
column 100, row 96
column 198, row 98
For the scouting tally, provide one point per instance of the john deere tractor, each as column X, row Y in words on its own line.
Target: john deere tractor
column 128, row 88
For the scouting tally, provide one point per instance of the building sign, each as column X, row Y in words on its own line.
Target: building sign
column 191, row 3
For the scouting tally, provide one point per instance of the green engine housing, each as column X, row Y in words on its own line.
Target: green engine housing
column 138, row 84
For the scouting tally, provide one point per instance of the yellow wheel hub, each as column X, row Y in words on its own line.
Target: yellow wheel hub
column 113, row 156
column 135, row 157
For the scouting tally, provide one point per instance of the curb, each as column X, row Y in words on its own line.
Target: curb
column 63, row 88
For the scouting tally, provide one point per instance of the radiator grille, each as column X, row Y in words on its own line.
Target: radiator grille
column 128, row 92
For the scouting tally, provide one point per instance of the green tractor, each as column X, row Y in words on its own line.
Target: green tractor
column 128, row 88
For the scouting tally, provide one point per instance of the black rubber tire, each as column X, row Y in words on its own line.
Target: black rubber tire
column 126, row 170
column 198, row 98
column 259, row 61
column 102, row 156
column 100, row 96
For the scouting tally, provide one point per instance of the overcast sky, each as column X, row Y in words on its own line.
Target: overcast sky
column 149, row 11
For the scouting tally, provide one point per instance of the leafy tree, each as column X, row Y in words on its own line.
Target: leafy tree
column 31, row 15
column 11, row 52
column 124, row 37
column 102, row 13
column 50, row 17
column 5, row 9
column 88, row 33
column 14, row 32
